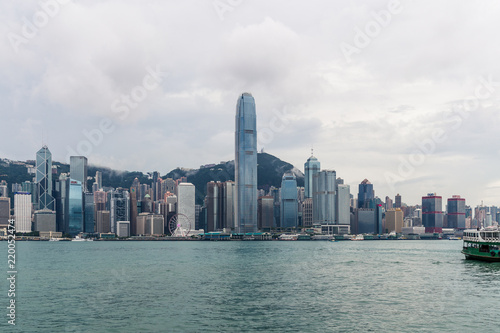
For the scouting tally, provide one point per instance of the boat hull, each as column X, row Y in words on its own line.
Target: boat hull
column 483, row 257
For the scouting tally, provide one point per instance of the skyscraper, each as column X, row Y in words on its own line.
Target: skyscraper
column 22, row 212
column 311, row 167
column 366, row 195
column 266, row 213
column 78, row 170
column 343, row 209
column 186, row 202
column 75, row 208
column 119, row 207
column 456, row 212
column 432, row 213
column 324, row 197
column 44, row 179
column 245, row 165
column 397, row 202
column 394, row 220
column 289, row 206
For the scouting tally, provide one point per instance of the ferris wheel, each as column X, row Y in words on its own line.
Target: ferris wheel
column 179, row 225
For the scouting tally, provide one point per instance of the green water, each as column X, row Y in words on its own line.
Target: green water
column 370, row 286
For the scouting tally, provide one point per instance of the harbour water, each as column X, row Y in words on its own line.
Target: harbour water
column 315, row 286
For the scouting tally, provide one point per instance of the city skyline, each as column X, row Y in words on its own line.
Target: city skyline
column 407, row 105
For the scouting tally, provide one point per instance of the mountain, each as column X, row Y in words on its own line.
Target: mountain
column 270, row 169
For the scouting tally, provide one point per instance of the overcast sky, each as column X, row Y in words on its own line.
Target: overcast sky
column 405, row 94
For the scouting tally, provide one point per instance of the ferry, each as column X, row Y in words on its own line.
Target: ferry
column 359, row 237
column 289, row 237
column 482, row 244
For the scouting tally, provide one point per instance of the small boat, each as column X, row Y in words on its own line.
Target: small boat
column 288, row 237
column 80, row 239
column 54, row 240
column 483, row 244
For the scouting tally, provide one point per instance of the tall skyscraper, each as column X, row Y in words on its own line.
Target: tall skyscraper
column 98, row 179
column 397, row 201
column 75, row 208
column 289, row 206
column 311, row 167
column 266, row 213
column 456, row 212
column 186, row 202
column 394, row 220
column 4, row 189
column 343, row 209
column 78, row 170
column 432, row 213
column 119, row 207
column 366, row 195
column 43, row 178
column 246, row 165
column 22, row 212
column 228, row 204
column 324, row 197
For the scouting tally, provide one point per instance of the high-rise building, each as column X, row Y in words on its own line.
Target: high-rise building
column 186, row 202
column 78, row 170
column 246, row 165
column 22, row 212
column 103, row 221
column 307, row 213
column 456, row 212
column 123, row 229
column 43, row 178
column 75, row 208
column 311, row 167
column 366, row 195
column 275, row 193
column 228, row 204
column 265, row 213
column 4, row 189
column 369, row 220
column 119, row 207
column 44, row 220
column 343, row 209
column 432, row 213
column 88, row 223
column 98, row 179
column 214, row 204
column 324, row 197
column 133, row 210
column 397, row 201
column 388, row 203
column 394, row 220
column 4, row 212
column 289, row 211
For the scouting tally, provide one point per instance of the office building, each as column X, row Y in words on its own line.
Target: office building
column 432, row 213
column 4, row 212
column 89, row 214
column 123, row 229
column 43, row 178
column 119, row 200
column 75, row 208
column 4, row 189
column 228, row 204
column 246, row 165
column 394, row 220
column 289, row 206
column 265, row 208
column 324, row 197
column 456, row 212
column 311, row 167
column 78, row 170
column 307, row 213
column 343, row 204
column 44, row 220
column 186, row 202
column 103, row 221
column 397, row 201
column 22, row 212
column 369, row 220
column 366, row 195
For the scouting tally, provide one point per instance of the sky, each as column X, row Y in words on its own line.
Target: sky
column 403, row 93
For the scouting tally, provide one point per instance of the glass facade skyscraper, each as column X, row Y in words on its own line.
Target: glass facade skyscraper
column 311, row 167
column 432, row 213
column 289, row 205
column 366, row 195
column 44, row 179
column 324, row 197
column 75, row 207
column 245, row 165
column 78, row 170
column 456, row 212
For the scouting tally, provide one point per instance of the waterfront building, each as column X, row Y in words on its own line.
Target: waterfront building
column 265, row 206
column 311, row 167
column 133, row 210
column 246, row 165
column 289, row 207
column 214, row 204
column 119, row 200
column 307, row 213
column 343, row 204
column 123, row 229
column 456, row 212
column 44, row 198
column 394, row 220
column 366, row 195
column 276, row 193
column 78, row 170
column 89, row 222
column 324, row 184
column 432, row 213
column 22, row 211
column 44, row 220
column 150, row 224
column 103, row 221
column 369, row 220
column 228, row 204
column 75, row 208
column 186, row 202
column 4, row 212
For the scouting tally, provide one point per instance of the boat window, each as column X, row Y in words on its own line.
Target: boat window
column 484, row 248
